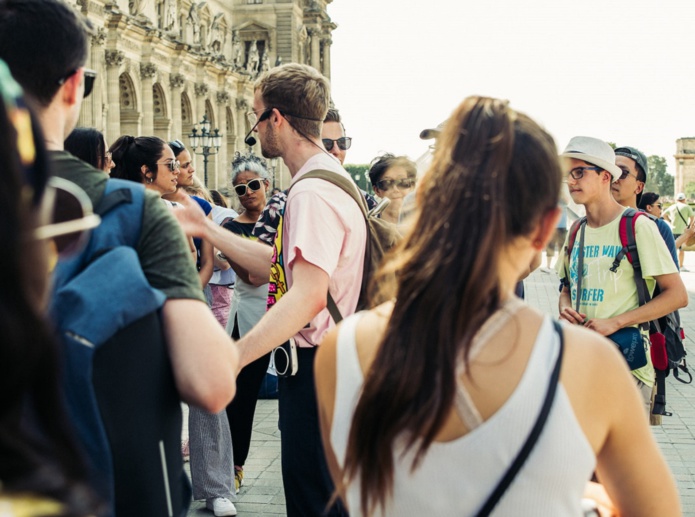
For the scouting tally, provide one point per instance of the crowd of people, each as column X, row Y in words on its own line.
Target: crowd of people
column 128, row 288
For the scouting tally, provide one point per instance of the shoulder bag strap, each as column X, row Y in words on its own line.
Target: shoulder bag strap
column 520, row 459
column 681, row 216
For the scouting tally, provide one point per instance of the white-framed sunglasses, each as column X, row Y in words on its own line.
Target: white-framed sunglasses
column 71, row 216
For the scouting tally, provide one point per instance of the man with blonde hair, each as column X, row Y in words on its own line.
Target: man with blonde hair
column 320, row 249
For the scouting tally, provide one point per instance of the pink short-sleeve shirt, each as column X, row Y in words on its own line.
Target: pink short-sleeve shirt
column 325, row 226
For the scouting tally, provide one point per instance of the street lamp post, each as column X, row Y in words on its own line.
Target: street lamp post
column 206, row 143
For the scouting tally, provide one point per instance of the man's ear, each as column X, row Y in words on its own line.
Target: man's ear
column 71, row 87
column 640, row 188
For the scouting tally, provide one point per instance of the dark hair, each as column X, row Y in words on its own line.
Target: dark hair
column 447, row 280
column 218, row 199
column 43, row 42
column 177, row 146
column 648, row 198
column 38, row 453
column 87, row 144
column 130, row 153
column 382, row 163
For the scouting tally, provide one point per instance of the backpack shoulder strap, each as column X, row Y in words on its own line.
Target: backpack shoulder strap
column 340, row 181
column 351, row 189
column 626, row 230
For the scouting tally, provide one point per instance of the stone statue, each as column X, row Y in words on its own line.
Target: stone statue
column 216, row 34
column 265, row 60
column 194, row 19
column 252, row 62
column 237, row 51
column 136, row 7
column 170, row 16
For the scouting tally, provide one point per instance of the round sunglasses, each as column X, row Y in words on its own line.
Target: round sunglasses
column 253, row 186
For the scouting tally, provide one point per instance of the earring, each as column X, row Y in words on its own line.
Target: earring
column 150, row 179
column 538, row 244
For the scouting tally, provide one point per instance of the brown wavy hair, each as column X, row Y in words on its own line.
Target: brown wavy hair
column 494, row 174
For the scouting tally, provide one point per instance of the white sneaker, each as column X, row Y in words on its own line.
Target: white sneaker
column 221, row 506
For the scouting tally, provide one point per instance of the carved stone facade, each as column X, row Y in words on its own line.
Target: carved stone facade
column 163, row 64
column 685, row 165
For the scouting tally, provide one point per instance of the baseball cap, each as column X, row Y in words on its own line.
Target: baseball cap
column 638, row 157
column 680, row 197
column 430, row 133
column 594, row 151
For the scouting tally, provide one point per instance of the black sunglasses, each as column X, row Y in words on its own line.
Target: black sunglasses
column 344, row 143
column 89, row 77
column 402, row 183
column 252, row 185
column 578, row 172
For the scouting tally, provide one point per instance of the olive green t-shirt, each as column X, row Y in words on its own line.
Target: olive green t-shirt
column 162, row 249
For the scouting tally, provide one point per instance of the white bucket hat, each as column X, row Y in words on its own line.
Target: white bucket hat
column 594, row 151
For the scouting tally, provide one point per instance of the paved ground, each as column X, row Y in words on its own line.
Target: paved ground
column 263, row 494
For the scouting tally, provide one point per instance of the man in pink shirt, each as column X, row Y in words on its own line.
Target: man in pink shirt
column 320, row 248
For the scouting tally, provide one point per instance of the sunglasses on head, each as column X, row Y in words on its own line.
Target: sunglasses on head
column 389, row 184
column 69, row 211
column 252, row 185
column 177, row 146
column 344, row 143
column 89, row 77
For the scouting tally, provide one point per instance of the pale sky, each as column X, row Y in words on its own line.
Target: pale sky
column 613, row 69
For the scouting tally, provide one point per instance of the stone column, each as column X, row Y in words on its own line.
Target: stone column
column 201, row 93
column 315, row 49
column 176, row 81
column 114, row 60
column 327, row 41
column 242, row 107
column 147, row 73
column 91, row 106
column 222, row 163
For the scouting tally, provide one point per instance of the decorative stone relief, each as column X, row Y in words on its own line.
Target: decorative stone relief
column 148, row 70
column 177, row 80
column 222, row 97
column 201, row 90
column 114, row 57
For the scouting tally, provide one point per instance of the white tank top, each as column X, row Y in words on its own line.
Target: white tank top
column 456, row 478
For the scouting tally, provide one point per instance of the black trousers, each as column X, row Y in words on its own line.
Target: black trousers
column 241, row 410
column 305, row 477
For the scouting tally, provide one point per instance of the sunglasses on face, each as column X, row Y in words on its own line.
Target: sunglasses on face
column 252, row 185
column 344, row 143
column 402, row 183
column 69, row 211
column 89, row 77
column 660, row 206
column 578, row 172
column 626, row 173
column 173, row 165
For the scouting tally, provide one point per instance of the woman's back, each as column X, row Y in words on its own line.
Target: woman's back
column 456, row 476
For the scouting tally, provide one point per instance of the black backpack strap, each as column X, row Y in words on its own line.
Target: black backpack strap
column 565, row 282
column 659, row 407
column 528, row 446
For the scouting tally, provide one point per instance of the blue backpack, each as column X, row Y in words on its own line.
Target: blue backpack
column 118, row 380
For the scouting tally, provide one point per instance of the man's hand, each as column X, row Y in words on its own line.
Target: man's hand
column 574, row 317
column 605, row 327
column 191, row 218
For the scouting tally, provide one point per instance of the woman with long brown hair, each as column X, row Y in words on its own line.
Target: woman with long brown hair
column 427, row 400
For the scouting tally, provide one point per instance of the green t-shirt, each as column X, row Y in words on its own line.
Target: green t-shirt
column 606, row 294
column 679, row 214
column 162, row 249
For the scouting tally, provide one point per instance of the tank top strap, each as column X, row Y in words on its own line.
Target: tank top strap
column 463, row 403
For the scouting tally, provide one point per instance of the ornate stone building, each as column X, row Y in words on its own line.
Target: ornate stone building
column 163, row 64
column 685, row 166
